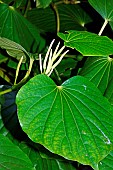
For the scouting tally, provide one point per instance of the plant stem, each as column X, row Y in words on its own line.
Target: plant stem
column 27, row 8
column 16, row 86
column 59, row 2
column 18, row 68
column 57, row 16
column 57, row 74
column 30, row 67
column 103, row 27
column 5, row 91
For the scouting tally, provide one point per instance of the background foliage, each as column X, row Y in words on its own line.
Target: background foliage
column 64, row 121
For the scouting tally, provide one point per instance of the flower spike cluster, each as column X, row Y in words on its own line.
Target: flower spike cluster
column 49, row 62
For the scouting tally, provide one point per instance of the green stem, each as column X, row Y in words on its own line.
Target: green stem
column 16, row 86
column 5, row 91
column 18, row 68
column 30, row 67
column 57, row 16
column 103, row 27
column 27, row 8
column 57, row 74
column 60, row 2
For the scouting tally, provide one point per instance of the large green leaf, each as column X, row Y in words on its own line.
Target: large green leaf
column 107, row 163
column 71, row 17
column 40, row 157
column 15, row 27
column 43, row 3
column 109, row 91
column 73, row 120
column 104, row 8
column 99, row 70
column 11, row 157
column 89, row 44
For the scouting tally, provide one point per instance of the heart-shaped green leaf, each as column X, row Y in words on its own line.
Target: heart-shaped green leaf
column 104, row 8
column 40, row 157
column 89, row 44
column 11, row 157
column 73, row 120
column 99, row 70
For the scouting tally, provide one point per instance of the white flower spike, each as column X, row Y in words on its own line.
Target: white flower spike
column 49, row 62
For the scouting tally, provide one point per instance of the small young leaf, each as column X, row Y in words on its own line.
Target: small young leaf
column 11, row 157
column 89, row 44
column 73, row 120
column 43, row 3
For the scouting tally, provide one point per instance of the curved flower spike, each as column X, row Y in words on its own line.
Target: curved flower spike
column 49, row 62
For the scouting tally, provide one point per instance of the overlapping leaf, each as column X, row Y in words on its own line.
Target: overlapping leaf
column 104, row 8
column 71, row 17
column 89, row 44
column 73, row 120
column 15, row 27
column 43, row 159
column 12, row 157
column 99, row 70
column 39, row 156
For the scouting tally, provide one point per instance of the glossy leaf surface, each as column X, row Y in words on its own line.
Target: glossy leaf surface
column 99, row 70
column 107, row 163
column 12, row 157
column 40, row 157
column 71, row 17
column 73, row 120
column 109, row 91
column 104, row 8
column 16, row 28
column 88, row 44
